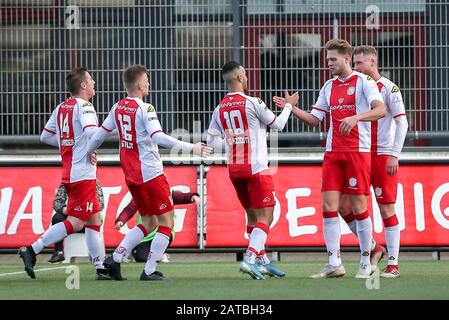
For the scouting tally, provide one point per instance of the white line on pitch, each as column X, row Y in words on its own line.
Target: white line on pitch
column 37, row 270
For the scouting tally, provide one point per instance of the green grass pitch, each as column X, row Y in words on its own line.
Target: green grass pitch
column 221, row 280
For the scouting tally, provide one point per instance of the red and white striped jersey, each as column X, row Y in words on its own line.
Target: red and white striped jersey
column 136, row 122
column 383, row 130
column 345, row 98
column 68, row 121
column 242, row 121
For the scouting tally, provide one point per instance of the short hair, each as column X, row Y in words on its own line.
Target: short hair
column 74, row 79
column 341, row 45
column 229, row 67
column 365, row 50
column 132, row 74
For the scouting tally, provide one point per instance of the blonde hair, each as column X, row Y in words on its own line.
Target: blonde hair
column 341, row 45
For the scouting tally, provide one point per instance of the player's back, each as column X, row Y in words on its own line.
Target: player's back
column 68, row 121
column 245, row 134
column 139, row 155
column 383, row 129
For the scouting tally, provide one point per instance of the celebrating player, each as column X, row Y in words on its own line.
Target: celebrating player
column 140, row 133
column 69, row 128
column 242, row 121
column 353, row 100
column 387, row 139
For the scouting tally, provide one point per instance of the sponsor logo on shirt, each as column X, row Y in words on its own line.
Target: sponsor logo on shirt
column 152, row 118
column 88, row 111
column 343, row 107
column 233, row 104
column 394, row 89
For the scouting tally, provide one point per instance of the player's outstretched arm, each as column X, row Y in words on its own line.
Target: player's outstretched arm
column 168, row 142
column 302, row 115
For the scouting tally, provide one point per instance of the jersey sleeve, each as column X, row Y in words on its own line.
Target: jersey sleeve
column 214, row 126
column 395, row 102
column 265, row 115
column 321, row 106
column 87, row 115
column 370, row 90
column 109, row 123
column 150, row 119
column 52, row 123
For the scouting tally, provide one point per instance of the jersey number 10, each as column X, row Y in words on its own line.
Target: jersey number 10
column 234, row 122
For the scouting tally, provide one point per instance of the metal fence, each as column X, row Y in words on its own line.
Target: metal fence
column 184, row 43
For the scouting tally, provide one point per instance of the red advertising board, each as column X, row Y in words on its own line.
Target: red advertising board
column 26, row 197
column 422, row 208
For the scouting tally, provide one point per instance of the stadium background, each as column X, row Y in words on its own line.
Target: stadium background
column 184, row 44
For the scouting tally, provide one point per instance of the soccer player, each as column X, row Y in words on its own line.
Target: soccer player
column 387, row 139
column 141, row 251
column 140, row 133
column 239, row 123
column 353, row 100
column 69, row 128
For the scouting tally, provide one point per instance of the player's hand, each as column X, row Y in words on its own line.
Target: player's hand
column 279, row 101
column 392, row 165
column 93, row 158
column 347, row 124
column 119, row 225
column 201, row 149
column 196, row 200
column 292, row 99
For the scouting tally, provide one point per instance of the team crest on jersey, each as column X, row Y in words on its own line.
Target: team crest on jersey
column 394, row 89
column 350, row 91
column 150, row 108
column 87, row 104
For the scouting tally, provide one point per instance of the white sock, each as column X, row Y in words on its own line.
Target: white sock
column 157, row 249
column 353, row 226
column 365, row 235
column 332, row 235
column 392, row 237
column 132, row 239
column 95, row 247
column 55, row 233
column 257, row 242
column 263, row 258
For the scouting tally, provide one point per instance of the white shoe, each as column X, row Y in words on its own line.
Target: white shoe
column 165, row 258
column 364, row 271
column 330, row 271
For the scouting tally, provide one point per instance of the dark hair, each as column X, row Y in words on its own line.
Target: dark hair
column 365, row 50
column 74, row 79
column 341, row 45
column 230, row 66
column 132, row 74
